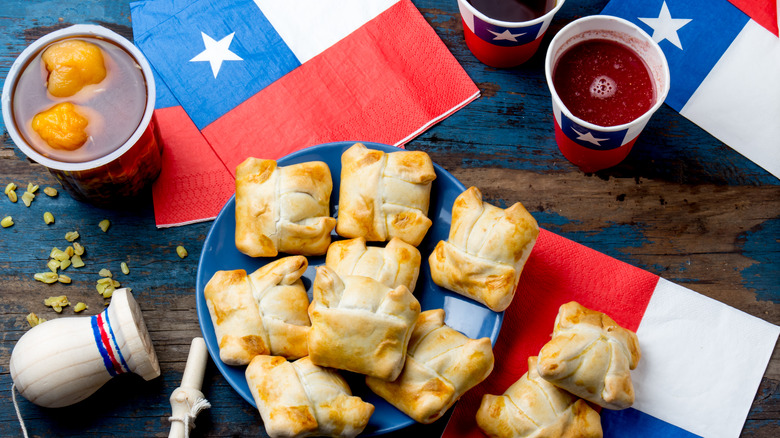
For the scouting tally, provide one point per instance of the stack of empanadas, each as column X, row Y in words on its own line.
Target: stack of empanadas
column 283, row 209
column 360, row 325
column 591, row 356
column 486, row 250
column 396, row 264
column 263, row 313
column 441, row 365
column 299, row 399
column 533, row 407
column 384, row 195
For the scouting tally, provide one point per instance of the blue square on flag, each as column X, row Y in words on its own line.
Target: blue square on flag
column 211, row 65
column 692, row 34
column 506, row 37
column 589, row 138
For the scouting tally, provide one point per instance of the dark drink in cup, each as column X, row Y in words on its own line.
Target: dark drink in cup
column 80, row 101
column 513, row 10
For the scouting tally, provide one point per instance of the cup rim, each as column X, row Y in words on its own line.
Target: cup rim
column 88, row 30
column 660, row 96
column 512, row 24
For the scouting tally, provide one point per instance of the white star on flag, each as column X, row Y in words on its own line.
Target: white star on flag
column 506, row 35
column 589, row 137
column 216, row 52
column 665, row 27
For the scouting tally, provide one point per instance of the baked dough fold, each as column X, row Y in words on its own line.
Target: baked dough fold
column 300, row 399
column 591, row 356
column 360, row 325
column 486, row 250
column 441, row 365
column 385, row 195
column 263, row 313
column 283, row 209
column 396, row 264
column 534, row 408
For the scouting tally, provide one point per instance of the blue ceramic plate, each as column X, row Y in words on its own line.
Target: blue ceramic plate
column 467, row 316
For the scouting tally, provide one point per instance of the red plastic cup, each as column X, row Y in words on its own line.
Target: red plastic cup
column 503, row 43
column 589, row 146
column 124, row 172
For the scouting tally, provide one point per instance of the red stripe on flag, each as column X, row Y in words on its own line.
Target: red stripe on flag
column 762, row 12
column 381, row 83
column 587, row 159
column 558, row 271
column 193, row 184
column 499, row 56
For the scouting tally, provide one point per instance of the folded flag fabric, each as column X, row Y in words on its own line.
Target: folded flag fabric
column 265, row 78
column 702, row 361
column 724, row 59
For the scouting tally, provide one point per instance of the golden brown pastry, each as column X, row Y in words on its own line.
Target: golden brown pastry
column 441, row 365
column 360, row 325
column 263, row 313
column 385, row 195
column 535, row 408
column 300, row 399
column 591, row 356
column 396, row 264
column 283, row 209
column 486, row 250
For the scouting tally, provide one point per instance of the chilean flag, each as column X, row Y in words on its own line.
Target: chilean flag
column 702, row 361
column 265, row 78
column 724, row 58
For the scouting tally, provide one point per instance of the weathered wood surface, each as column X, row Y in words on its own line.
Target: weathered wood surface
column 683, row 205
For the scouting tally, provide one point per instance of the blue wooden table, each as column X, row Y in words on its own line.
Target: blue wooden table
column 683, row 205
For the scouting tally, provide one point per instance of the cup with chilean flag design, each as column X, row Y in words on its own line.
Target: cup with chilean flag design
column 589, row 146
column 503, row 43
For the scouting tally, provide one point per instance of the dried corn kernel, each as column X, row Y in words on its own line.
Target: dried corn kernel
column 57, row 303
column 63, row 279
column 70, row 251
column 80, row 307
column 76, row 261
column 108, row 292
column 12, row 196
column 78, row 249
column 104, row 224
column 27, row 198
column 105, row 280
column 100, row 287
column 32, row 187
column 53, row 251
column 181, row 251
column 51, row 191
column 70, row 236
column 7, row 222
column 48, row 218
column 53, row 265
column 59, row 255
column 125, row 268
column 105, row 273
column 46, row 277
column 64, row 264
column 73, row 64
column 9, row 188
column 34, row 320
column 115, row 283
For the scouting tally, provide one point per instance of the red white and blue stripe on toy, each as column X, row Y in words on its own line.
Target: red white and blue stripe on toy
column 106, row 343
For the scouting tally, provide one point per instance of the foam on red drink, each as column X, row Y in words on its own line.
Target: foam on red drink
column 604, row 82
column 513, row 10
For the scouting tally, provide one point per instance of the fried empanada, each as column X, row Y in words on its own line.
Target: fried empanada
column 283, row 209
column 441, row 365
column 591, row 356
column 384, row 195
column 535, row 408
column 486, row 250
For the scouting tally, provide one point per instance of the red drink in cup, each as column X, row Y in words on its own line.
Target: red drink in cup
column 607, row 77
column 506, row 33
column 80, row 101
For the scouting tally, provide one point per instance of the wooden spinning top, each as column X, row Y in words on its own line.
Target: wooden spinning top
column 63, row 361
